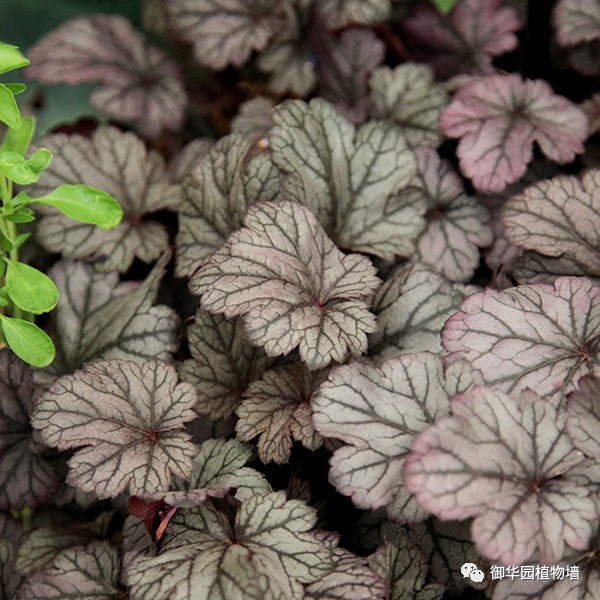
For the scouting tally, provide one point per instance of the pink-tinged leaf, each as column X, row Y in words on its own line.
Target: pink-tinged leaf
column 591, row 107
column 339, row 13
column 559, row 218
column 216, row 196
column 9, row 578
column 137, row 81
column 457, row 224
column 267, row 553
column 119, row 164
column 402, row 563
column 466, row 39
column 293, row 286
column 510, row 464
column 378, row 411
column 26, row 477
column 255, row 118
column 277, row 410
column 411, row 308
column 82, row 573
column 497, row 120
column 344, row 69
column 576, row 21
column 226, row 32
column 408, row 96
column 583, row 421
column 127, row 422
column 223, row 363
column 351, row 579
column 351, row 179
column 539, row 336
column 188, row 157
column 98, row 317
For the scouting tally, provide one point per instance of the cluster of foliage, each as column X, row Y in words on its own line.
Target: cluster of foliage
column 346, row 336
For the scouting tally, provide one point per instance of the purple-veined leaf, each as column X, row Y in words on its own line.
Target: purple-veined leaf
column 583, row 421
column 408, row 96
column 10, row 528
column 378, row 411
column 137, row 80
column 351, row 579
column 98, row 317
column 457, row 224
column 277, row 409
column 42, row 545
column 254, row 119
column 9, row 578
column 559, row 218
column 447, row 546
column 350, row 179
column 497, row 120
column 466, row 39
column 402, row 563
column 216, row 196
column 411, row 308
column 290, row 58
column 119, row 164
column 510, row 464
column 576, row 21
column 126, row 422
column 539, row 336
column 26, row 477
column 226, row 32
column 266, row 554
column 218, row 467
column 78, row 573
column 339, row 13
column 223, row 363
column 344, row 67
column 293, row 286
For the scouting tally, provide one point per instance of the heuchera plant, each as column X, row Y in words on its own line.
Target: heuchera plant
column 339, row 339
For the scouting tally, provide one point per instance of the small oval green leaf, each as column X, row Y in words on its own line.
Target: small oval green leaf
column 85, row 204
column 17, row 139
column 11, row 58
column 9, row 111
column 445, row 6
column 24, row 170
column 28, row 341
column 29, row 288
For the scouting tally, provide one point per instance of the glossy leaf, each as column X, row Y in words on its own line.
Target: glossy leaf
column 27, row 478
column 378, row 411
column 408, row 96
column 537, row 336
column 27, row 341
column 277, row 410
column 497, row 120
column 349, row 179
column 509, row 463
column 84, row 204
column 293, row 286
column 126, row 422
column 466, row 39
column 11, row 58
column 226, row 32
column 137, row 81
column 29, row 288
column 17, row 139
column 119, row 164
column 9, row 111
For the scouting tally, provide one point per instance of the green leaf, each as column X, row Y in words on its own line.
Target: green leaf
column 27, row 341
column 9, row 111
column 16, row 88
column 29, row 288
column 85, row 204
column 24, row 170
column 21, row 239
column 11, row 58
column 5, row 244
column 22, row 215
column 17, row 139
column 445, row 6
